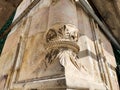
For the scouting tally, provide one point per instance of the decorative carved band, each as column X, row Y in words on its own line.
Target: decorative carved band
column 62, row 33
column 62, row 36
column 61, row 42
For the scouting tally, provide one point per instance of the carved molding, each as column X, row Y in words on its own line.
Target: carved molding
column 62, row 39
column 62, row 32
column 62, row 36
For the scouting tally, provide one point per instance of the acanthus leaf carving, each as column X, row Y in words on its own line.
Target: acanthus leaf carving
column 63, row 39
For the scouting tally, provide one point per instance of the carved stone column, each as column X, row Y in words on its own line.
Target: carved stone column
column 62, row 36
column 62, row 39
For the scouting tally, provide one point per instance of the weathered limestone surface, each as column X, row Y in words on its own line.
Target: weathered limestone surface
column 109, row 58
column 87, row 52
column 57, row 46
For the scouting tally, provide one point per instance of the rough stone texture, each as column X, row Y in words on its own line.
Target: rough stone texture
column 34, row 64
column 9, row 50
column 110, row 60
column 87, row 52
column 52, row 68
column 3, row 81
column 11, row 40
column 39, row 21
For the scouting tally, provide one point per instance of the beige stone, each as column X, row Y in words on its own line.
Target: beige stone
column 57, row 46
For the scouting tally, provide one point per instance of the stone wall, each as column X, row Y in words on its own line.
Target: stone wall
column 57, row 46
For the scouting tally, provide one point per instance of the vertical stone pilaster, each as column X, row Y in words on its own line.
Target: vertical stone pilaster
column 62, row 36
